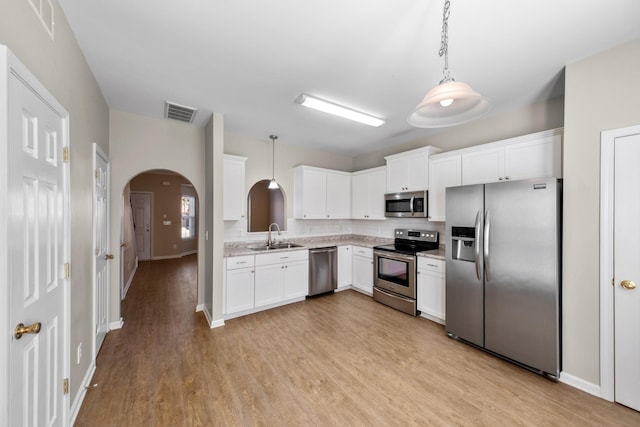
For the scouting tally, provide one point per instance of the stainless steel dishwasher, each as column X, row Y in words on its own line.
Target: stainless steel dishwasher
column 323, row 270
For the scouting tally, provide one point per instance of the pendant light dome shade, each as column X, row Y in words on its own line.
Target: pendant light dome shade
column 448, row 104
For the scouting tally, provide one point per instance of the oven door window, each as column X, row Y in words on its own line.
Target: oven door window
column 393, row 271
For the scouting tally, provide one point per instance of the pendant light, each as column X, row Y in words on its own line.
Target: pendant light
column 450, row 103
column 273, row 184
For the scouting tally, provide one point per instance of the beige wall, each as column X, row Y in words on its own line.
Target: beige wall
column 166, row 239
column 602, row 92
column 522, row 121
column 287, row 157
column 61, row 68
column 140, row 144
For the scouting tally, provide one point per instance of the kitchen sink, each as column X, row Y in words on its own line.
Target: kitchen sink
column 274, row 246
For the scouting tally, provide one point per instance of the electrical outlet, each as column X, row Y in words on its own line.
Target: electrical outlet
column 175, row 246
column 79, row 353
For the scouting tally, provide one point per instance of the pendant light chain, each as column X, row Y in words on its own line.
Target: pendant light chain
column 273, row 156
column 444, row 41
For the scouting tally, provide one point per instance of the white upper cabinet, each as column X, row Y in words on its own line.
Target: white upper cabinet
column 531, row 156
column 367, row 193
column 409, row 171
column 234, row 196
column 444, row 171
column 321, row 193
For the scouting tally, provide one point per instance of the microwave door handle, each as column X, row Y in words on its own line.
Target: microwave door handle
column 477, row 240
column 411, row 206
column 487, row 258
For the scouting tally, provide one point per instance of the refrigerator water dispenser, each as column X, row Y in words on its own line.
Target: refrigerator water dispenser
column 463, row 243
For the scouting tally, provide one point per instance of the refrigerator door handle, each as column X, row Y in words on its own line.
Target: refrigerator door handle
column 487, row 259
column 477, row 237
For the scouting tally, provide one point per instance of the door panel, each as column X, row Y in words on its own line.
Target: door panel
column 464, row 285
column 101, row 239
column 522, row 280
column 141, row 203
column 36, row 237
column 626, row 267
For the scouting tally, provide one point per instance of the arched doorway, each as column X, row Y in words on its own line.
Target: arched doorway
column 159, row 222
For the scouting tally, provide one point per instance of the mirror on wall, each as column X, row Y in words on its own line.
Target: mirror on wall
column 265, row 206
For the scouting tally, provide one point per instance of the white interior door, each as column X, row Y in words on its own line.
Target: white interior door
column 141, row 205
column 101, row 247
column 627, row 270
column 36, row 209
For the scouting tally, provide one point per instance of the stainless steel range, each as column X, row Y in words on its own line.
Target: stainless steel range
column 394, row 278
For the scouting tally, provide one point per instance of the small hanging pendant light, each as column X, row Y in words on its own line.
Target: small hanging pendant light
column 273, row 184
column 450, row 103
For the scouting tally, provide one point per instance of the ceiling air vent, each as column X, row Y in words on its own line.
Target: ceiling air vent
column 179, row 112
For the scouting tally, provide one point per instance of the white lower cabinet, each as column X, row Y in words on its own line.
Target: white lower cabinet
column 252, row 282
column 281, row 276
column 345, row 270
column 363, row 269
column 239, row 286
column 431, row 288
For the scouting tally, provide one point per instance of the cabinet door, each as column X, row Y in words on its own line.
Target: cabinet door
column 344, row 266
column 397, row 175
column 534, row 159
column 417, row 178
column 483, row 166
column 239, row 290
column 363, row 274
column 376, row 194
column 314, row 194
column 431, row 294
column 268, row 284
column 338, row 196
column 360, row 194
column 296, row 279
column 233, row 196
column 444, row 172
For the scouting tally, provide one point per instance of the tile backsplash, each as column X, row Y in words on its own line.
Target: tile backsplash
column 237, row 230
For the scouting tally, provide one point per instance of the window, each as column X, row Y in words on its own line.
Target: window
column 188, row 217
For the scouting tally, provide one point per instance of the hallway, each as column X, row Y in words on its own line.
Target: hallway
column 336, row 360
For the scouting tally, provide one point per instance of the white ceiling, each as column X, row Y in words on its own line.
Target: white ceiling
column 249, row 60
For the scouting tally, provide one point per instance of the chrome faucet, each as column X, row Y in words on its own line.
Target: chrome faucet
column 269, row 241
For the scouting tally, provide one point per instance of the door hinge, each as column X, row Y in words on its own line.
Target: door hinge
column 613, row 281
column 97, row 173
column 65, row 386
column 67, row 270
column 65, row 154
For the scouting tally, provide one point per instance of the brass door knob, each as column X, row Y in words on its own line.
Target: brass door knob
column 108, row 256
column 628, row 284
column 31, row 329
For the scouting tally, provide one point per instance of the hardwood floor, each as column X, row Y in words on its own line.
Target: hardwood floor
column 340, row 359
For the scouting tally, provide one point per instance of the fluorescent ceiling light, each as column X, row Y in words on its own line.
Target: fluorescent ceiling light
column 338, row 110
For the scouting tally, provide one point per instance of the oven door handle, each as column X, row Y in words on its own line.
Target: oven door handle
column 396, row 256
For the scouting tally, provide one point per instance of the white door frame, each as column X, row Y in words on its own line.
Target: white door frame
column 97, row 151
column 607, row 169
column 9, row 64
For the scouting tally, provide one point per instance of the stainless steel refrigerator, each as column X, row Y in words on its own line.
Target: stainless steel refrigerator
column 503, row 264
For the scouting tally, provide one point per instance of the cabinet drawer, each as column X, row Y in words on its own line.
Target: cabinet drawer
column 430, row 264
column 280, row 257
column 239, row 262
column 362, row 251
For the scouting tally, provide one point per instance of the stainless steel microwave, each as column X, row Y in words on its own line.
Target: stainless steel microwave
column 410, row 204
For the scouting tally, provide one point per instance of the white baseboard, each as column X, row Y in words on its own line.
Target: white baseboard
column 117, row 324
column 580, row 384
column 207, row 315
column 199, row 308
column 187, row 253
column 77, row 402
column 133, row 273
column 217, row 323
